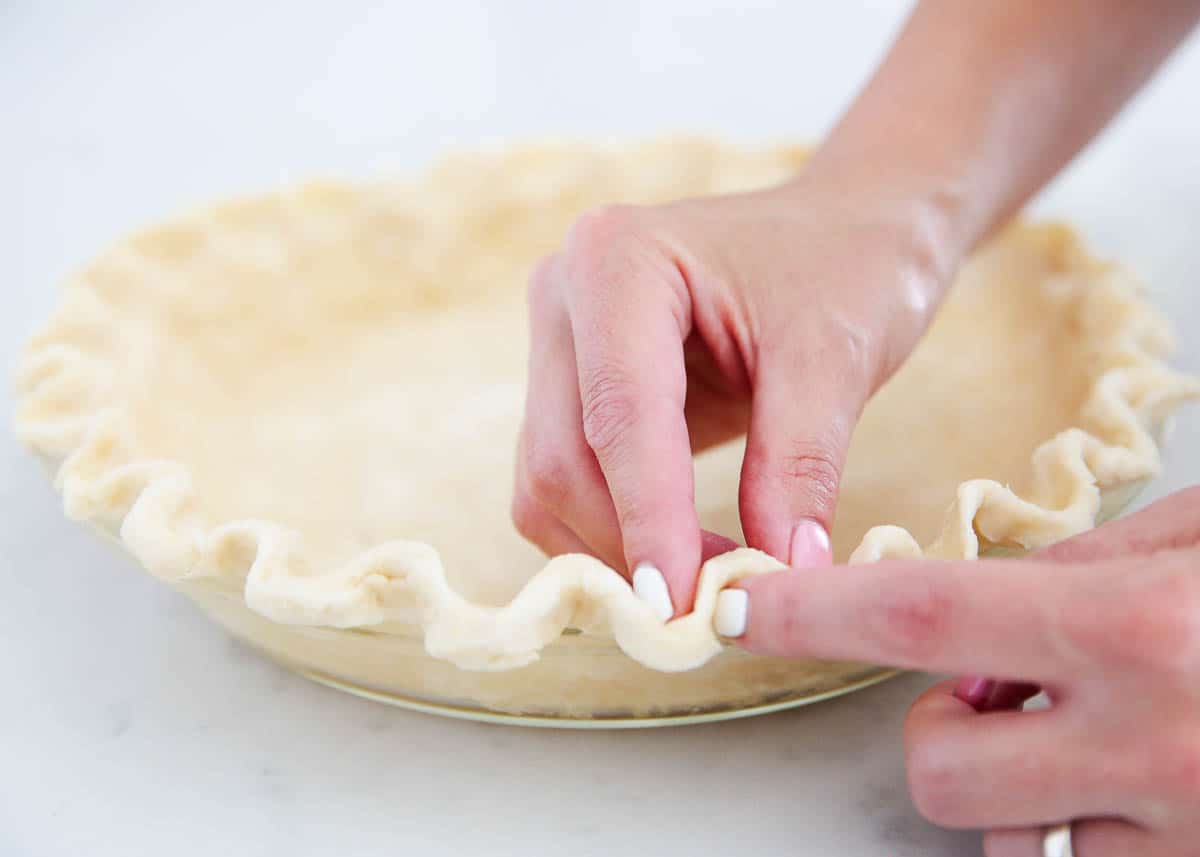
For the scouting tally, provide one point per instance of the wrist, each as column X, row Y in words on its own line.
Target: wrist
column 899, row 236
column 931, row 209
column 917, row 219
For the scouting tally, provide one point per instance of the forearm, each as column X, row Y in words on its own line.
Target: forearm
column 978, row 104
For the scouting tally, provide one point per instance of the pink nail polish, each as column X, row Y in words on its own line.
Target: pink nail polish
column 974, row 691
column 809, row 546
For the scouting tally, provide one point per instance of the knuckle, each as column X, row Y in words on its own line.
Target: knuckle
column 858, row 352
column 1087, row 627
column 604, row 244
column 637, row 520
column 1169, row 622
column 815, row 468
column 851, row 346
column 914, row 617
column 609, row 409
column 935, row 782
column 596, row 230
column 548, row 474
column 1155, row 629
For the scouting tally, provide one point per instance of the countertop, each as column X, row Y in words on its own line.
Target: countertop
column 131, row 726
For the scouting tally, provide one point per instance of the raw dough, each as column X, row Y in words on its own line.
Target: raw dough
column 270, row 393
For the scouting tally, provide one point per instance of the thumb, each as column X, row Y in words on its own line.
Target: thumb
column 802, row 417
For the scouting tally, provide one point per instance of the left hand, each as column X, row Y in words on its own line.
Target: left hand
column 1107, row 624
column 659, row 331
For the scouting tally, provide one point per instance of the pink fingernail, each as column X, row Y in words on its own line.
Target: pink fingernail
column 809, row 546
column 974, row 691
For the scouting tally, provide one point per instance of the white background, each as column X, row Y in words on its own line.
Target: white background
column 128, row 725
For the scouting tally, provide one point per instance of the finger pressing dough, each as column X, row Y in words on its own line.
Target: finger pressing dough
column 311, row 399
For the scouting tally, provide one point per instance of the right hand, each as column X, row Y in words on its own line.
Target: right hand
column 1107, row 623
column 657, row 332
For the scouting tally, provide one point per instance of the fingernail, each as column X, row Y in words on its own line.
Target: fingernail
column 1011, row 695
column 650, row 586
column 733, row 608
column 809, row 546
column 974, row 691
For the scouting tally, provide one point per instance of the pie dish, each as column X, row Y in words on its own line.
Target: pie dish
column 300, row 409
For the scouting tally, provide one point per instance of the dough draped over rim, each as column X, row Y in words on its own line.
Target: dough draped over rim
column 182, row 382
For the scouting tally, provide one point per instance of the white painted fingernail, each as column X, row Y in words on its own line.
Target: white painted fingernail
column 733, row 607
column 650, row 586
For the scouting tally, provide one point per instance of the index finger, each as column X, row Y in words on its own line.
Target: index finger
column 630, row 316
column 1000, row 618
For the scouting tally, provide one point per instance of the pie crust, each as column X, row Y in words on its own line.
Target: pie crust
column 309, row 400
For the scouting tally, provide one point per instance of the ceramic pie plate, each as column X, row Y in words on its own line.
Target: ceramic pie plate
column 300, row 410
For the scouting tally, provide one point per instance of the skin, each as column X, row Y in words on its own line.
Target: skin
column 1108, row 624
column 660, row 331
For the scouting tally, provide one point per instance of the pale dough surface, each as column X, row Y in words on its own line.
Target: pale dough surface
column 315, row 395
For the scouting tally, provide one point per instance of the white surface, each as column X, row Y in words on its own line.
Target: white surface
column 129, row 726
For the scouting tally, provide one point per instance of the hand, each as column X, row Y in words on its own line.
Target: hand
column 1108, row 624
column 780, row 312
column 658, row 332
